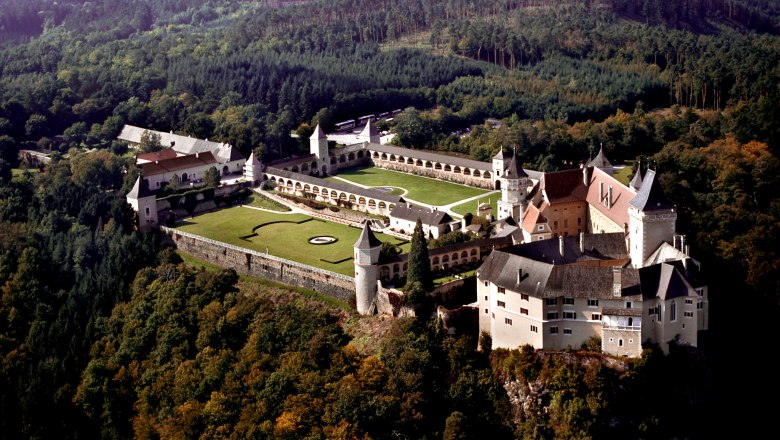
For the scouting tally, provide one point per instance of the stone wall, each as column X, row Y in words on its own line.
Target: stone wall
column 257, row 264
column 391, row 302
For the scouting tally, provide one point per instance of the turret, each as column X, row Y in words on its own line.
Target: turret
column 253, row 170
column 651, row 220
column 367, row 249
column 499, row 165
column 636, row 182
column 144, row 202
column 369, row 133
column 514, row 190
column 318, row 146
column 601, row 162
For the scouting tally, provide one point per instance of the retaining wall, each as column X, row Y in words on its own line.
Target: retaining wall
column 257, row 264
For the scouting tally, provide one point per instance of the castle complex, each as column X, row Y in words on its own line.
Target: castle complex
column 573, row 255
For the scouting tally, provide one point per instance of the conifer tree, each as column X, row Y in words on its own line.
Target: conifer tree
column 419, row 274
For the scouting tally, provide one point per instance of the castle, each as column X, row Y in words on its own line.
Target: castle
column 578, row 254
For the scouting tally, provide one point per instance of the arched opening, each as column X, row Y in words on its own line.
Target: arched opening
column 225, row 170
column 185, row 177
column 498, row 184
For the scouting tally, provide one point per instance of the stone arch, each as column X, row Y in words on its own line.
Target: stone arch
column 342, row 158
column 324, row 192
column 304, row 167
column 396, row 268
column 225, row 170
column 401, row 159
column 306, row 188
column 371, row 204
column 498, row 184
column 447, row 168
column 294, row 168
column 428, row 164
column 382, row 205
column 333, row 160
column 324, row 170
column 298, row 186
column 334, row 195
column 289, row 184
column 435, row 260
column 419, row 163
column 486, row 174
column 313, row 165
column 351, row 156
column 383, row 156
column 445, row 258
column 360, row 154
column 361, row 201
column 405, row 267
column 473, row 252
column 437, row 166
column 185, row 177
column 352, row 198
column 456, row 170
column 384, row 272
column 464, row 256
column 454, row 256
column 409, row 161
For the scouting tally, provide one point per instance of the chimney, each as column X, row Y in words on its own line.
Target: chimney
column 585, row 177
column 519, row 275
column 682, row 243
column 582, row 242
column 609, row 197
column 687, row 250
column 616, row 281
column 560, row 245
column 674, row 242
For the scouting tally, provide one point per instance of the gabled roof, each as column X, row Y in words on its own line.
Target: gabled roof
column 318, row 133
column 227, row 153
column 367, row 239
column 140, row 189
column 621, row 196
column 431, row 217
column 179, row 163
column 564, row 186
column 165, row 153
column 532, row 217
column 650, row 196
column 515, row 169
column 664, row 281
column 600, row 161
column 182, row 144
column 665, row 252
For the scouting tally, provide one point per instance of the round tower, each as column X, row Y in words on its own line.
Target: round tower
column 367, row 249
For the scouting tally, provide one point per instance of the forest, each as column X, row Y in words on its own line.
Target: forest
column 106, row 333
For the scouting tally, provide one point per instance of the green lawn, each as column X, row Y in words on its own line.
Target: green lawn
column 625, row 174
column 472, row 205
column 421, row 189
column 260, row 201
column 282, row 235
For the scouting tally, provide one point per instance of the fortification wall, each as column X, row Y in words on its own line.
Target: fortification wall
column 479, row 182
column 391, row 302
column 269, row 267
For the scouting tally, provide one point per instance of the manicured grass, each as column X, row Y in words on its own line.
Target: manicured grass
column 624, row 174
column 283, row 235
column 471, row 206
column 421, row 189
column 259, row 201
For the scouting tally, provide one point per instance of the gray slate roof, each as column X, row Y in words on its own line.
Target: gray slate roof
column 140, row 189
column 600, row 161
column 367, row 239
column 606, row 246
column 426, row 215
column 650, row 196
column 515, row 170
column 636, row 181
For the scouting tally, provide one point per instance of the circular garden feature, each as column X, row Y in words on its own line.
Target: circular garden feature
column 323, row 239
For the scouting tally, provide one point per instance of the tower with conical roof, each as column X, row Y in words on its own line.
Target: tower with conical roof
column 253, row 170
column 651, row 220
column 367, row 249
column 318, row 146
column 514, row 191
column 369, row 133
column 636, row 181
column 144, row 202
column 601, row 162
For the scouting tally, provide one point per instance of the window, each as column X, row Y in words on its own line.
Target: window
column 486, row 311
column 552, row 315
column 524, row 297
column 486, row 298
column 486, row 283
column 593, row 303
column 699, row 305
column 569, row 315
column 540, row 228
column 534, row 329
column 673, row 311
column 551, row 301
column 555, row 225
column 630, row 341
column 628, row 304
column 567, row 331
column 568, row 301
column 688, row 301
column 501, row 290
column 148, row 212
column 611, row 339
column 501, row 304
column 579, row 221
column 553, row 330
column 507, row 321
column 620, row 342
column 595, row 317
column 688, row 314
column 523, row 311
